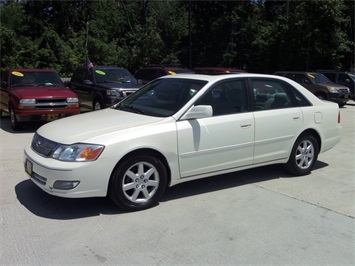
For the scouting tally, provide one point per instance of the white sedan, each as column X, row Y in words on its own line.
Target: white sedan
column 179, row 128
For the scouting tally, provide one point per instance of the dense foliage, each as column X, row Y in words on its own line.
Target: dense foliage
column 256, row 35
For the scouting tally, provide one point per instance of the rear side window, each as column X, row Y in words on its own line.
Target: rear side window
column 331, row 76
column 271, row 94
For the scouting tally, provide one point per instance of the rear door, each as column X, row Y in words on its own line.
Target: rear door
column 278, row 120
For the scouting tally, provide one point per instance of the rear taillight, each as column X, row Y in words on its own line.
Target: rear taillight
column 339, row 117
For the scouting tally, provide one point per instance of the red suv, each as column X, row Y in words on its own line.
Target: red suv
column 35, row 95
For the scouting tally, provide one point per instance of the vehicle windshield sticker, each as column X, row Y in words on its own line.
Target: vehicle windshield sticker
column 100, row 72
column 171, row 72
column 311, row 76
column 15, row 73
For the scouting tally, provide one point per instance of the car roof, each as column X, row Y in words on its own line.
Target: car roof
column 102, row 67
column 31, row 70
column 219, row 69
column 215, row 78
column 298, row 72
column 167, row 67
column 332, row 71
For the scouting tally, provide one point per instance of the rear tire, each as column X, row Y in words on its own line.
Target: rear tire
column 303, row 156
column 138, row 182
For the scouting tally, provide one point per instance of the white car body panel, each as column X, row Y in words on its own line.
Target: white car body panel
column 204, row 140
column 273, row 141
column 192, row 148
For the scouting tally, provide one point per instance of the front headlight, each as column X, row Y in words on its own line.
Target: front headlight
column 78, row 152
column 113, row 93
column 27, row 101
column 332, row 89
column 72, row 100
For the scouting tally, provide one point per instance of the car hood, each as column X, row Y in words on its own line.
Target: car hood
column 332, row 85
column 43, row 92
column 120, row 85
column 82, row 127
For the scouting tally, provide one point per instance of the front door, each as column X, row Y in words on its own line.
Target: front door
column 223, row 141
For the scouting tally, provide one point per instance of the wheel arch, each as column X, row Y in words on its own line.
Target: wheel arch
column 97, row 97
column 315, row 134
column 146, row 151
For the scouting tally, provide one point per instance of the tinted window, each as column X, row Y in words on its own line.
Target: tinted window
column 33, row 78
column 228, row 97
column 331, row 76
column 162, row 97
column 344, row 78
column 113, row 75
column 271, row 94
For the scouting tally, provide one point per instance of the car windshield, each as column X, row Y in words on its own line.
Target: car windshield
column 319, row 78
column 352, row 76
column 118, row 75
column 162, row 97
column 35, row 79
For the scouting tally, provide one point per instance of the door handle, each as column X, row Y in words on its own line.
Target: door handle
column 296, row 118
column 245, row 125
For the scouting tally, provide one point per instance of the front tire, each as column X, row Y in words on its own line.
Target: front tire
column 303, row 156
column 97, row 105
column 13, row 120
column 138, row 183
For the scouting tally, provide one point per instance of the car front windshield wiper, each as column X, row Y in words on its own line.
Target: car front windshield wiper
column 133, row 108
column 20, row 85
column 115, row 81
column 46, row 85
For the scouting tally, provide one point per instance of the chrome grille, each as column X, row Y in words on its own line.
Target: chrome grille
column 128, row 92
column 343, row 90
column 51, row 103
column 42, row 145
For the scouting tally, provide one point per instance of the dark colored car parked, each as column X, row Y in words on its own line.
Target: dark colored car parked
column 30, row 95
column 341, row 77
column 151, row 72
column 217, row 70
column 102, row 86
column 319, row 85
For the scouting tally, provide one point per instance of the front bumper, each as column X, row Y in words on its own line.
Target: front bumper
column 44, row 115
column 92, row 178
column 339, row 97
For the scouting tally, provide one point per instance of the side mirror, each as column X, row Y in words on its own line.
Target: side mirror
column 67, row 84
column 199, row 111
column 3, row 84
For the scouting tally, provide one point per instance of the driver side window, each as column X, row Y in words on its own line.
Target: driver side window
column 226, row 98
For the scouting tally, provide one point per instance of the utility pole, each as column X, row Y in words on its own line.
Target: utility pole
column 87, row 37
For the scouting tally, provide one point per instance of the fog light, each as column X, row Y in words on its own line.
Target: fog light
column 65, row 184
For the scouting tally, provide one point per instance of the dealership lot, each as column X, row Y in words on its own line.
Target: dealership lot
column 260, row 216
